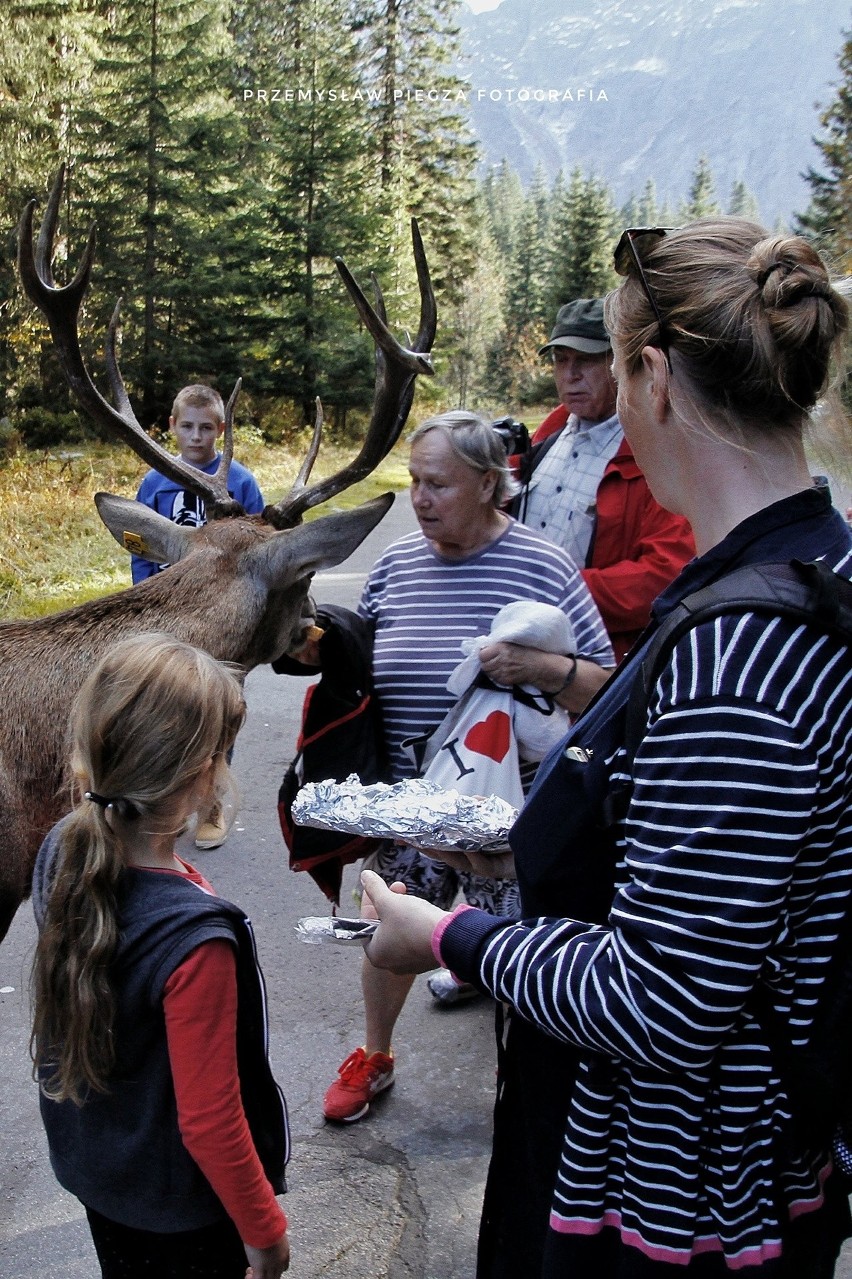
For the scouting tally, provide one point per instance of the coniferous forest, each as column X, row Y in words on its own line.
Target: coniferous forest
column 220, row 208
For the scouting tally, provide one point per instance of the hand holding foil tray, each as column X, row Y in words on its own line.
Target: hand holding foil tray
column 416, row 812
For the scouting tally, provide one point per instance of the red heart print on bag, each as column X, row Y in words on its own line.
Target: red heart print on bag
column 491, row 736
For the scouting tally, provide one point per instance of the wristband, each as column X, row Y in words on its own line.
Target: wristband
column 569, row 678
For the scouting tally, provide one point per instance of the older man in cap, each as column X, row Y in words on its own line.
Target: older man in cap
column 583, row 489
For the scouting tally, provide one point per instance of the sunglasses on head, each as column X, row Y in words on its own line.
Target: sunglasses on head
column 633, row 244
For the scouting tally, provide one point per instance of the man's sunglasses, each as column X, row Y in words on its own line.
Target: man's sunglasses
column 636, row 241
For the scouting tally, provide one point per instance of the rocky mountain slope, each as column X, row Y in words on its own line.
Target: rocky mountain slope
column 638, row 89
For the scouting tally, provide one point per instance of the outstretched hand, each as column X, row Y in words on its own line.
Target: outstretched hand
column 403, row 942
column 268, row 1263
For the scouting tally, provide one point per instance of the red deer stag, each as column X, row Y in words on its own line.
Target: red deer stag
column 238, row 586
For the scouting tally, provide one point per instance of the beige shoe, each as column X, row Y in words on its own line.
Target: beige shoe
column 216, row 826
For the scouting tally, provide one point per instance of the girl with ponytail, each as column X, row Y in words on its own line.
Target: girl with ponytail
column 148, row 1006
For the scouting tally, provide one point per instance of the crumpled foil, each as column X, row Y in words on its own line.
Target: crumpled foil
column 416, row 811
column 323, row 928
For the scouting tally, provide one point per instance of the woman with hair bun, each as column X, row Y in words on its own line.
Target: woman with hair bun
column 643, row 1127
column 149, row 1036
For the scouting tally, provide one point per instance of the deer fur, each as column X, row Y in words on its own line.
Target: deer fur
column 235, row 587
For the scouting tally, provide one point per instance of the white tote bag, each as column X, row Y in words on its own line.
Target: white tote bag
column 474, row 750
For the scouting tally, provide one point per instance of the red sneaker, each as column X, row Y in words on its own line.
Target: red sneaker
column 358, row 1081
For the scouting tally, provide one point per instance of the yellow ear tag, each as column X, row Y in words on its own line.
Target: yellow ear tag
column 134, row 543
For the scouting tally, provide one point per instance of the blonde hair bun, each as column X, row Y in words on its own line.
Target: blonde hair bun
column 752, row 321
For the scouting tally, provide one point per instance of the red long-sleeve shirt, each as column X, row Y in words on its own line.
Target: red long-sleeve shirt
column 200, row 1005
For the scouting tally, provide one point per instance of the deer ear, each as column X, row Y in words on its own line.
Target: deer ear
column 322, row 543
column 142, row 531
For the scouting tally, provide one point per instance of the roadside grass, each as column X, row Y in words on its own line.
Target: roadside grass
column 54, row 550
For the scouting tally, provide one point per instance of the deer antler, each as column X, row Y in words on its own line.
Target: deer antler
column 61, row 308
column 396, row 369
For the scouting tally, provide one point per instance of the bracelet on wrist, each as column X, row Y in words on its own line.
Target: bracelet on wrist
column 569, row 678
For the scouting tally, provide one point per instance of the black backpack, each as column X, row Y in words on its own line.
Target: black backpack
column 818, row 1076
column 341, row 733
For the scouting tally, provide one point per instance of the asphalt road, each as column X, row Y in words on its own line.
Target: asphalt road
column 395, row 1195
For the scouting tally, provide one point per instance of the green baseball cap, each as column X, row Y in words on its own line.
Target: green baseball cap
column 580, row 325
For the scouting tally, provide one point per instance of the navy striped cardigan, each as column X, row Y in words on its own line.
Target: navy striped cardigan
column 734, row 860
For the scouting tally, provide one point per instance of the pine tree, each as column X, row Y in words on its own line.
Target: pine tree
column 503, row 203
column 158, row 147
column 641, row 210
column 312, row 154
column 585, row 231
column 701, row 201
column 528, row 296
column 44, row 61
column 557, row 198
column 629, row 213
column 648, row 207
column 742, row 203
column 666, row 214
column 477, row 321
column 828, row 219
column 426, row 151
column 511, row 221
column 45, row 55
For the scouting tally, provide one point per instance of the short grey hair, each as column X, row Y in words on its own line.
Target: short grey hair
column 475, row 442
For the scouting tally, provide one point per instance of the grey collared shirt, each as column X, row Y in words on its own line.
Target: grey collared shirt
column 563, row 489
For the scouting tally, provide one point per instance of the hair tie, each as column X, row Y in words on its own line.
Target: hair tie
column 97, row 799
column 127, row 811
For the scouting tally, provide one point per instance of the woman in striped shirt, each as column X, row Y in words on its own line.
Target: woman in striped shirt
column 642, row 1127
column 427, row 593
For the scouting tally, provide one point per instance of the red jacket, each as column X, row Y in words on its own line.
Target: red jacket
column 638, row 547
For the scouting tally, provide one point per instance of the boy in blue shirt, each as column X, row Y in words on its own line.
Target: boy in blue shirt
column 197, row 420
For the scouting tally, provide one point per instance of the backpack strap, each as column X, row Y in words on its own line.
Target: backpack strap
column 806, row 592
column 517, row 508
